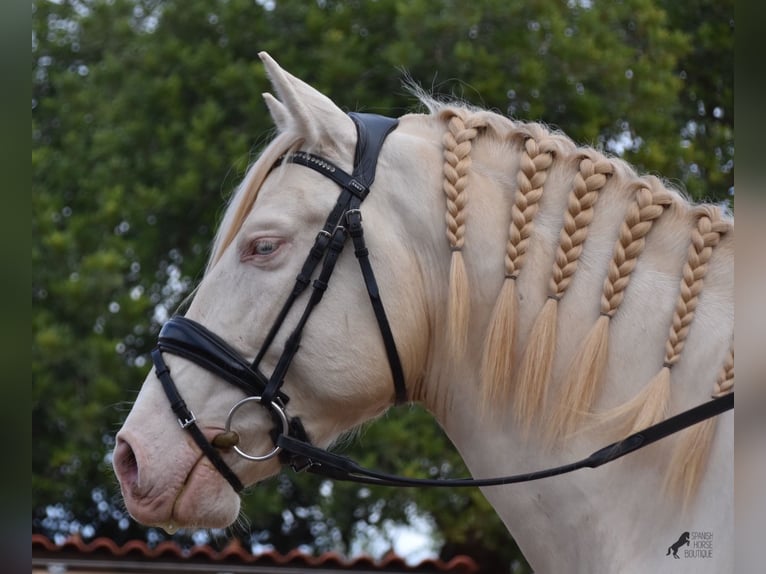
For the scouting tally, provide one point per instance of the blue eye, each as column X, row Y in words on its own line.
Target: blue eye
column 262, row 250
column 265, row 247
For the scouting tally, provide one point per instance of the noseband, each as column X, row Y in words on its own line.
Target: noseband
column 188, row 339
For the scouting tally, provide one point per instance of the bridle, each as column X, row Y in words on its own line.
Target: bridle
column 188, row 339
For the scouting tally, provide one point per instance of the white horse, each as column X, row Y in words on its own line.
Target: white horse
column 563, row 308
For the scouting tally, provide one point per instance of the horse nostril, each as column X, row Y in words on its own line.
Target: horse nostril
column 226, row 439
column 125, row 464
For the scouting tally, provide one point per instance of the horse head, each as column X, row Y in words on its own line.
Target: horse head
column 339, row 378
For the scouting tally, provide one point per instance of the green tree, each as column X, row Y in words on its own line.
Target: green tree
column 705, row 116
column 145, row 115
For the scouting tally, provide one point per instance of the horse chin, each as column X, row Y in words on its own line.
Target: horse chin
column 206, row 500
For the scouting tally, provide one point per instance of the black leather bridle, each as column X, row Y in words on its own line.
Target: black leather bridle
column 192, row 341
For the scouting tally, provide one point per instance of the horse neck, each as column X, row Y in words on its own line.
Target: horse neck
column 555, row 229
column 493, row 441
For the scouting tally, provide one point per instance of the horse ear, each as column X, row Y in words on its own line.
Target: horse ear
column 278, row 112
column 312, row 113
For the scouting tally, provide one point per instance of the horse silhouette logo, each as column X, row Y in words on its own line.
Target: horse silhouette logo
column 683, row 540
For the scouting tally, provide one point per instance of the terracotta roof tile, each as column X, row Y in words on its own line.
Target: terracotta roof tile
column 235, row 554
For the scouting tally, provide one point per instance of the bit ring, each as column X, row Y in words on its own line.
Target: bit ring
column 282, row 417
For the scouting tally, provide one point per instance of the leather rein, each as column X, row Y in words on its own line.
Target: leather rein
column 191, row 340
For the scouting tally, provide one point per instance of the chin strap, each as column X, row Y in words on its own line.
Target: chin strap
column 339, row 467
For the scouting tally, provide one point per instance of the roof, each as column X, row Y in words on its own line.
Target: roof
column 102, row 556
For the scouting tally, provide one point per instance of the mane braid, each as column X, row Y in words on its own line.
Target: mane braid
column 537, row 360
column 500, row 339
column 651, row 404
column 584, row 378
column 462, row 130
column 692, row 450
column 725, row 383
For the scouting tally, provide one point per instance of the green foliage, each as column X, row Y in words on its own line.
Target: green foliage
column 145, row 115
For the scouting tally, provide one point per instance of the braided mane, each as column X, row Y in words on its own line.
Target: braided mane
column 592, row 175
column 593, row 178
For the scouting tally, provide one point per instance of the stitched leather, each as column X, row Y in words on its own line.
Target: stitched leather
column 193, row 341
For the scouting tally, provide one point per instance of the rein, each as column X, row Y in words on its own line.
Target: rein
column 188, row 339
column 327, row 464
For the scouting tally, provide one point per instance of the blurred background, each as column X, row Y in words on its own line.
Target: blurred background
column 145, row 116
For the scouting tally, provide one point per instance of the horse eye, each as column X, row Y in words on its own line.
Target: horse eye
column 264, row 247
column 261, row 250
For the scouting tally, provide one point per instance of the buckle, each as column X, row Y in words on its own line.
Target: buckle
column 353, row 212
column 186, row 422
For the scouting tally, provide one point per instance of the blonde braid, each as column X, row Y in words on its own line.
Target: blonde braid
column 533, row 171
column 692, row 450
column 457, row 142
column 651, row 404
column 457, row 162
column 725, row 382
column 649, row 206
column 588, row 182
column 501, row 334
column 585, row 375
column 536, row 363
column 704, row 238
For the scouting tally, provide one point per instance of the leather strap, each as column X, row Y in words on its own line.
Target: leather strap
column 187, row 420
column 193, row 341
column 372, row 130
column 339, row 467
column 293, row 341
column 354, row 219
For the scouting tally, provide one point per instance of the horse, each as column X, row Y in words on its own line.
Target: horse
column 673, row 549
column 537, row 297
